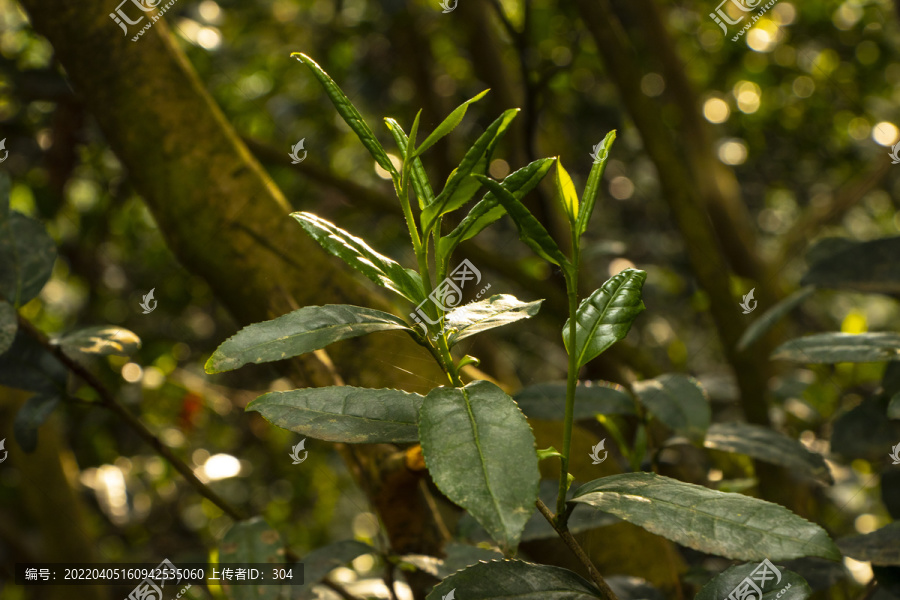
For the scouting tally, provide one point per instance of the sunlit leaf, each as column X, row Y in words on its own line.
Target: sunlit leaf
column 767, row 445
column 825, row 348
column 298, row 332
column 729, row 525
column 480, row 452
column 448, row 124
column 565, row 189
column 592, row 188
column 421, row 185
column 605, row 317
column 344, row 414
column 496, row 311
column 103, row 340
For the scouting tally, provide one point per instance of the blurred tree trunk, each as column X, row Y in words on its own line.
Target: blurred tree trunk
column 216, row 207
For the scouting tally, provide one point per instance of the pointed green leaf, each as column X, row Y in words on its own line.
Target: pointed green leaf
column 496, row 311
column 356, row 253
column 679, row 401
column 460, row 188
column 30, row 417
column 605, row 316
column 862, row 266
column 350, row 115
column 514, row 579
column 252, row 541
column 27, row 254
column 530, row 229
column 298, row 332
column 776, row 583
column 767, row 445
column 547, row 401
column 489, row 209
column 729, row 525
column 420, row 183
column 449, row 124
column 104, row 340
column 322, row 561
column 879, row 547
column 344, row 414
column 9, row 324
column 769, row 318
column 592, row 188
column 480, row 452
column 827, row 348
column 565, row 188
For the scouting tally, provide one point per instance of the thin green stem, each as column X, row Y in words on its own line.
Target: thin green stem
column 571, row 276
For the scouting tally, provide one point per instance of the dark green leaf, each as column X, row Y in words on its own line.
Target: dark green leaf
column 769, row 318
column 605, row 316
column 592, row 189
column 863, row 432
column 448, row 124
column 489, row 210
column 460, row 188
column 880, row 547
column 773, row 581
column 28, row 366
column 679, row 401
column 4, row 196
column 9, row 324
column 496, row 311
column 547, row 401
column 826, row 348
column 103, row 340
column 480, row 452
column 30, row 417
column 298, row 332
column 27, row 254
column 862, row 266
column 530, row 229
column 565, row 188
column 582, row 518
column 421, row 185
column 252, row 541
column 350, row 115
column 356, row 253
column 344, row 414
column 513, row 580
column 767, row 445
column 729, row 525
column 322, row 561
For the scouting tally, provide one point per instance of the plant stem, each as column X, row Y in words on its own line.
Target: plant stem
column 108, row 401
column 580, row 554
column 571, row 383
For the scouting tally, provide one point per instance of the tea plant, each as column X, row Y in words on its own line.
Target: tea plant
column 488, row 465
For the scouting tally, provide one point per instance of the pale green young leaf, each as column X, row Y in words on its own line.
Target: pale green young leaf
column 448, row 124
column 592, row 188
column 350, row 115
column 416, row 170
column 496, row 311
column 303, row 330
column 356, row 253
column 566, row 190
column 530, row 229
